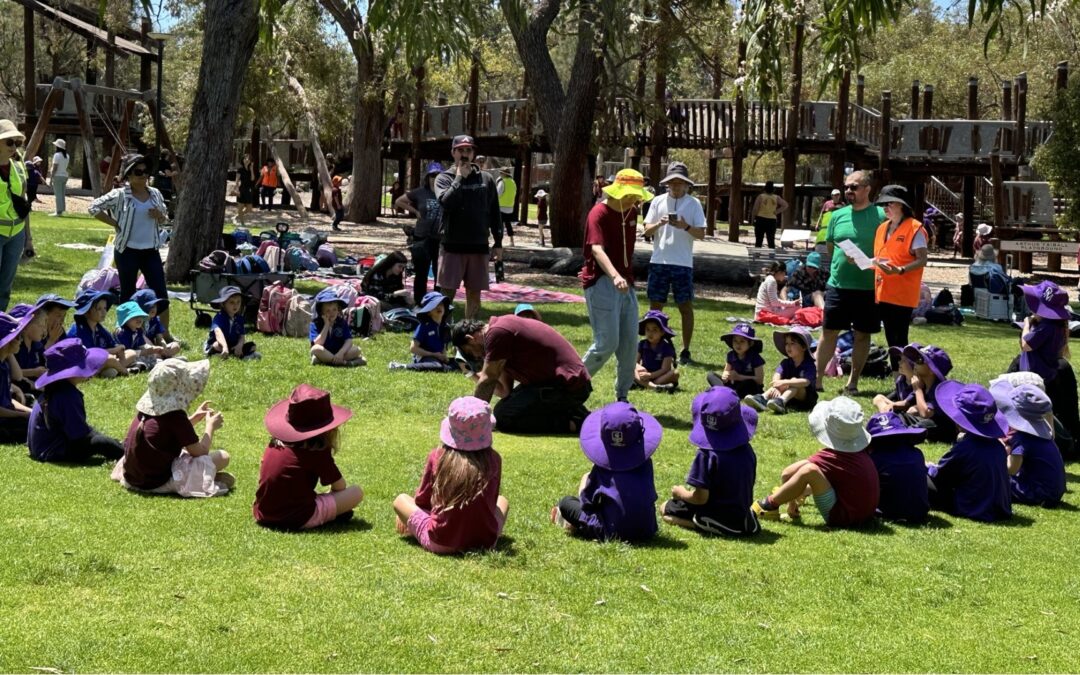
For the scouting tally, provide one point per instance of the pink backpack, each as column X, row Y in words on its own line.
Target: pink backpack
column 365, row 316
column 347, row 293
column 274, row 308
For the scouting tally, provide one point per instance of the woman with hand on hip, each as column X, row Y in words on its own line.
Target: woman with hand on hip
column 136, row 211
column 58, row 175
column 15, row 238
column 900, row 249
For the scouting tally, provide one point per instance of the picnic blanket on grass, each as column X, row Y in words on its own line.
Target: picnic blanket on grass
column 499, row 292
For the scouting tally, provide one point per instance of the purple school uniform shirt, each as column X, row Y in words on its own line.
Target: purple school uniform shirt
column 972, row 479
column 60, row 423
column 1046, row 339
column 98, row 337
column 1041, row 478
column 902, row 391
column 729, row 477
column 745, row 366
column 619, row 504
column 807, row 370
column 339, row 333
column 652, row 358
column 430, row 337
column 132, row 339
column 233, row 328
column 901, row 469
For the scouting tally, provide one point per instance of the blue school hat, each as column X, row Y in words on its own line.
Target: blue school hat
column 972, row 407
column 721, row 422
column 147, row 299
column 432, row 299
column 661, row 320
column 69, row 358
column 886, row 424
column 798, row 332
column 53, row 299
column 22, row 309
column 1025, row 407
column 127, row 311
column 86, row 299
column 328, row 295
column 935, row 358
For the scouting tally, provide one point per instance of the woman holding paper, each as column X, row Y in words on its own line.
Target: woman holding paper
column 900, row 256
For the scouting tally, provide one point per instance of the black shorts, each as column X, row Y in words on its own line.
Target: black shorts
column 847, row 308
column 728, row 524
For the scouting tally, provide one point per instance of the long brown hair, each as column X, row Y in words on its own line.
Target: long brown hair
column 385, row 263
column 460, row 477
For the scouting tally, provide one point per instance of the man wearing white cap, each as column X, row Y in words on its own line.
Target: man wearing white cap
column 58, row 175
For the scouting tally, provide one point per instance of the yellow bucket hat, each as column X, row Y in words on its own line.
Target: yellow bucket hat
column 627, row 182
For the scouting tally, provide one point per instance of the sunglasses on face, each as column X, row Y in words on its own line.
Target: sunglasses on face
column 853, row 188
column 138, row 171
column 12, row 143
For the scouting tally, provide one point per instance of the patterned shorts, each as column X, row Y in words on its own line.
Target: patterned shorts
column 679, row 279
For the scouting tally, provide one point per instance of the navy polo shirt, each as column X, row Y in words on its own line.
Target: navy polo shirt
column 233, row 328
column 972, row 479
column 729, row 477
column 132, row 339
column 746, row 366
column 619, row 504
column 807, row 370
column 5, row 385
column 154, row 328
column 429, row 336
column 1041, row 478
column 98, row 337
column 335, row 340
column 32, row 356
column 652, row 358
column 901, row 469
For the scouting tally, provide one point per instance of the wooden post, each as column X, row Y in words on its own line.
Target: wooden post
column 416, row 178
column 286, row 180
column 999, row 198
column 659, row 126
column 110, row 61
column 968, row 207
column 886, row 137
column 56, row 95
column 1021, row 117
column 29, row 73
column 146, row 77
column 915, row 100
column 735, row 210
column 842, row 112
column 91, row 61
column 791, row 144
column 710, row 195
column 166, row 142
column 87, row 131
column 525, row 189
column 1062, row 76
column 474, row 95
column 1006, row 100
column 860, row 89
column 928, row 102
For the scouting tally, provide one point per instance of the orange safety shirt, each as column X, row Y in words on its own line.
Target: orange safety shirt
column 897, row 289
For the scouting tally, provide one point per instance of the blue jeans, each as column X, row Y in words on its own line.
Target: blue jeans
column 614, row 319
column 11, row 250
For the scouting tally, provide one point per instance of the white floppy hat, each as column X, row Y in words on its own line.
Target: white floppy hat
column 838, row 424
column 60, row 143
column 983, row 229
column 9, row 130
column 173, row 385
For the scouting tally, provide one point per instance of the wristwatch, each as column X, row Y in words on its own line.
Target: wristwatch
column 903, row 269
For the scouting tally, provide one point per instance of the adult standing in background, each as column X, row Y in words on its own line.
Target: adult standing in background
column 470, row 212
column 608, row 278
column 58, row 174
column 900, row 248
column 247, row 197
column 675, row 221
column 424, row 205
column 849, row 295
column 766, row 213
column 15, row 240
column 268, row 182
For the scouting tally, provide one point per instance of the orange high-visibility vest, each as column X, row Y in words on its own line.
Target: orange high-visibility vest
column 897, row 289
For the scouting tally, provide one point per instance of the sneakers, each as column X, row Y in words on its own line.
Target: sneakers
column 395, row 365
column 757, row 402
column 684, row 357
column 666, row 388
column 226, row 479
column 777, row 406
column 764, row 514
column 361, row 361
column 314, row 360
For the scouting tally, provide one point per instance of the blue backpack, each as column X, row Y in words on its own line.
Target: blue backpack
column 252, row 264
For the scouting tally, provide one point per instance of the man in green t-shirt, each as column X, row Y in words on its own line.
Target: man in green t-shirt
column 849, row 296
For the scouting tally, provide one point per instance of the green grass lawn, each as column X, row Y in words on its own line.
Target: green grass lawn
column 95, row 578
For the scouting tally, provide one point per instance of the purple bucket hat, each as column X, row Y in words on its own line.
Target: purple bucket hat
column 899, row 351
column 11, row 327
column 935, row 358
column 886, row 424
column 721, row 422
column 22, row 310
column 468, row 424
column 68, row 358
column 1025, row 408
column 972, row 407
column 619, row 438
column 744, row 330
column 798, row 331
column 1048, row 300
column 659, row 317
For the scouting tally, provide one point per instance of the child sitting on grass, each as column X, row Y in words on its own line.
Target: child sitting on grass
column 616, row 499
column 162, row 453
column 745, row 369
column 971, row 480
column 458, row 506
column 14, row 414
column 30, row 355
column 330, row 335
column 768, row 295
column 1036, row 469
column 131, row 332
column 841, row 477
column 155, row 331
column 55, row 309
column 722, row 476
column 91, row 309
column 656, row 355
column 901, row 468
column 227, row 329
column 930, row 367
column 59, row 431
column 304, row 435
column 793, row 382
column 902, row 397
column 431, row 337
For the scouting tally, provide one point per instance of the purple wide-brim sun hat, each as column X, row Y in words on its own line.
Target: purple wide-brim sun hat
column 935, row 358
column 972, row 407
column 1048, row 300
column 797, row 331
column 618, row 437
column 745, row 331
column 721, row 422
column 68, row 358
column 888, row 424
column 11, row 326
column 1025, row 408
column 898, row 351
column 661, row 320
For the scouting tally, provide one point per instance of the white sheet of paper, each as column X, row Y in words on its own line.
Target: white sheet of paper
column 856, row 254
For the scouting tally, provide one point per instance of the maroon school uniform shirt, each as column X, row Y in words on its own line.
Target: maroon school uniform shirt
column 148, row 456
column 287, row 479
column 472, row 526
column 535, row 353
column 854, row 478
column 614, row 231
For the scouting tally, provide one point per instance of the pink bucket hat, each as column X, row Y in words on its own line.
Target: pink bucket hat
column 468, row 424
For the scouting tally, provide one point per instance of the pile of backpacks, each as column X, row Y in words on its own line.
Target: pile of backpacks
column 285, row 311
column 273, row 251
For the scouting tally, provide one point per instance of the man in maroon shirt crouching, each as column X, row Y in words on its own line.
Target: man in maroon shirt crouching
column 552, row 383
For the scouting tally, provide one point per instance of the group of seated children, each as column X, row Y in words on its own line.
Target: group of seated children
column 915, row 393
column 655, row 368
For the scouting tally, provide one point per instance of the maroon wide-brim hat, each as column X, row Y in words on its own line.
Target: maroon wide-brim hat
column 306, row 414
column 68, row 358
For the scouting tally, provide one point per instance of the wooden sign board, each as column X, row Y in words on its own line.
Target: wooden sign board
column 1067, row 247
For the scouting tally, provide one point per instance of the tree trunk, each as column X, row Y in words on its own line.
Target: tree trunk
column 365, row 197
column 323, row 180
column 228, row 44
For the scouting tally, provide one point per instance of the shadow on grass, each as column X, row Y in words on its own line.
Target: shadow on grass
column 556, row 318
column 1072, row 478
column 503, row 547
column 1017, row 520
column 672, row 422
column 1065, row 506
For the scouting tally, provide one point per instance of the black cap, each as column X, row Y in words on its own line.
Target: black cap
column 463, row 140
column 129, row 162
column 893, row 194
